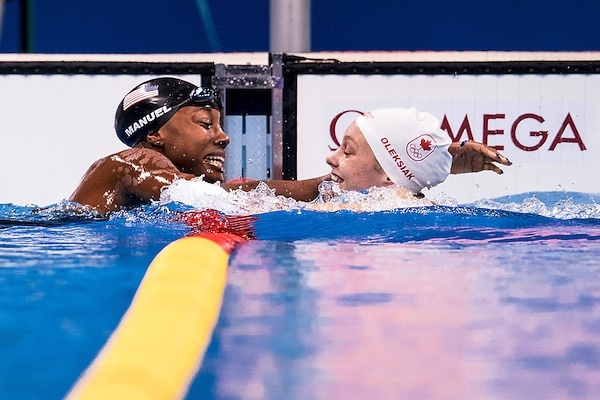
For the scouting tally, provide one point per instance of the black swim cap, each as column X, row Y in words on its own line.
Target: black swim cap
column 151, row 104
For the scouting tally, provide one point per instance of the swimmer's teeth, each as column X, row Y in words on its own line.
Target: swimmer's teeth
column 215, row 160
column 336, row 178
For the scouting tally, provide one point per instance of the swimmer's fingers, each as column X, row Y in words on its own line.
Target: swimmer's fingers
column 490, row 153
column 470, row 156
column 490, row 166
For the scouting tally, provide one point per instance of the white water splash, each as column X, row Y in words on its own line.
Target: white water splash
column 561, row 208
column 202, row 195
column 332, row 198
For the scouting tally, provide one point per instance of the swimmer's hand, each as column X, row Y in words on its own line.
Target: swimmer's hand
column 470, row 156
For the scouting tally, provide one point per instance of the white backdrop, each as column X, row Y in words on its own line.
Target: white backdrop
column 53, row 127
column 502, row 110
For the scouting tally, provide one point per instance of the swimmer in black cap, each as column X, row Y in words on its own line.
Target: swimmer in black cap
column 174, row 130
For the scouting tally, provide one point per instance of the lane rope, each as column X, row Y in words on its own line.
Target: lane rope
column 157, row 348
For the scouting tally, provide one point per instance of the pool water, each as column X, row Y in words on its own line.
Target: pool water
column 494, row 300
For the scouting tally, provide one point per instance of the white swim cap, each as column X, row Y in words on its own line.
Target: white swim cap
column 409, row 145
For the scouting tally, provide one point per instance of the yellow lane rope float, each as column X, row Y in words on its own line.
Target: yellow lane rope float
column 158, row 346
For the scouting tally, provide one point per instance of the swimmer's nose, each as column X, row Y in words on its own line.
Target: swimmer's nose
column 222, row 140
column 331, row 160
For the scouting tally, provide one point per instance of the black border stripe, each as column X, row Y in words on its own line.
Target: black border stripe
column 441, row 68
column 104, row 68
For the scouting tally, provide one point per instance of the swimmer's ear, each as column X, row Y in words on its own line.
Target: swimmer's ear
column 154, row 139
column 388, row 182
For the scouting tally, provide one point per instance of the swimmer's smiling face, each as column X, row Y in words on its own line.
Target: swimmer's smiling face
column 195, row 142
column 353, row 164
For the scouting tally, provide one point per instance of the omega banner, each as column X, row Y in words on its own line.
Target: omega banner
column 547, row 125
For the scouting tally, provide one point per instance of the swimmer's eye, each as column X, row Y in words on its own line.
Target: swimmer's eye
column 205, row 125
column 347, row 151
column 344, row 149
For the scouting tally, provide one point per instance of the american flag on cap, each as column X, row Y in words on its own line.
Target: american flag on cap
column 140, row 94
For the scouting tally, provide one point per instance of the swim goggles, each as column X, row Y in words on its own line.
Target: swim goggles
column 205, row 96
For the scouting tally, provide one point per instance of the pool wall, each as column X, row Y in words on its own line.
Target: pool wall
column 539, row 109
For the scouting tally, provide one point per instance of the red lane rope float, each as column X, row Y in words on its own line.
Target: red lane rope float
column 213, row 221
column 158, row 346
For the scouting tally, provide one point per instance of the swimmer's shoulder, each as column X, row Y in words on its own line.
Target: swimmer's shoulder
column 143, row 157
column 139, row 156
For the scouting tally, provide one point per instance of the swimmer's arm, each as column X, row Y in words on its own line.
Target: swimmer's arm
column 148, row 179
column 124, row 179
column 304, row 190
column 148, row 187
column 94, row 186
column 470, row 156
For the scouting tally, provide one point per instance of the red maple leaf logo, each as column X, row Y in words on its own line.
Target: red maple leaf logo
column 426, row 144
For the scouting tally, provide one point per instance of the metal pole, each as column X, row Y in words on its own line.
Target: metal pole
column 277, row 116
column 27, row 27
column 290, row 26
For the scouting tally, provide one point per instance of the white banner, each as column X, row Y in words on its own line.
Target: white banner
column 547, row 125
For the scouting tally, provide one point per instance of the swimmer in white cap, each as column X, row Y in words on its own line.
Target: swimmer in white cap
column 405, row 148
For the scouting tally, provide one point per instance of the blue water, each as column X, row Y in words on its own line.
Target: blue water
column 485, row 301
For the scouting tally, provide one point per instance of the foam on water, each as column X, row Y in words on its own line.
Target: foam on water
column 561, row 205
column 202, row 195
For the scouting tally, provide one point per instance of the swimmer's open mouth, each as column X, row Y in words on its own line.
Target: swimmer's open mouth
column 336, row 178
column 216, row 162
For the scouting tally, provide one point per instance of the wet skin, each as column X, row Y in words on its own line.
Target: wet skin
column 194, row 142
column 353, row 164
column 191, row 144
